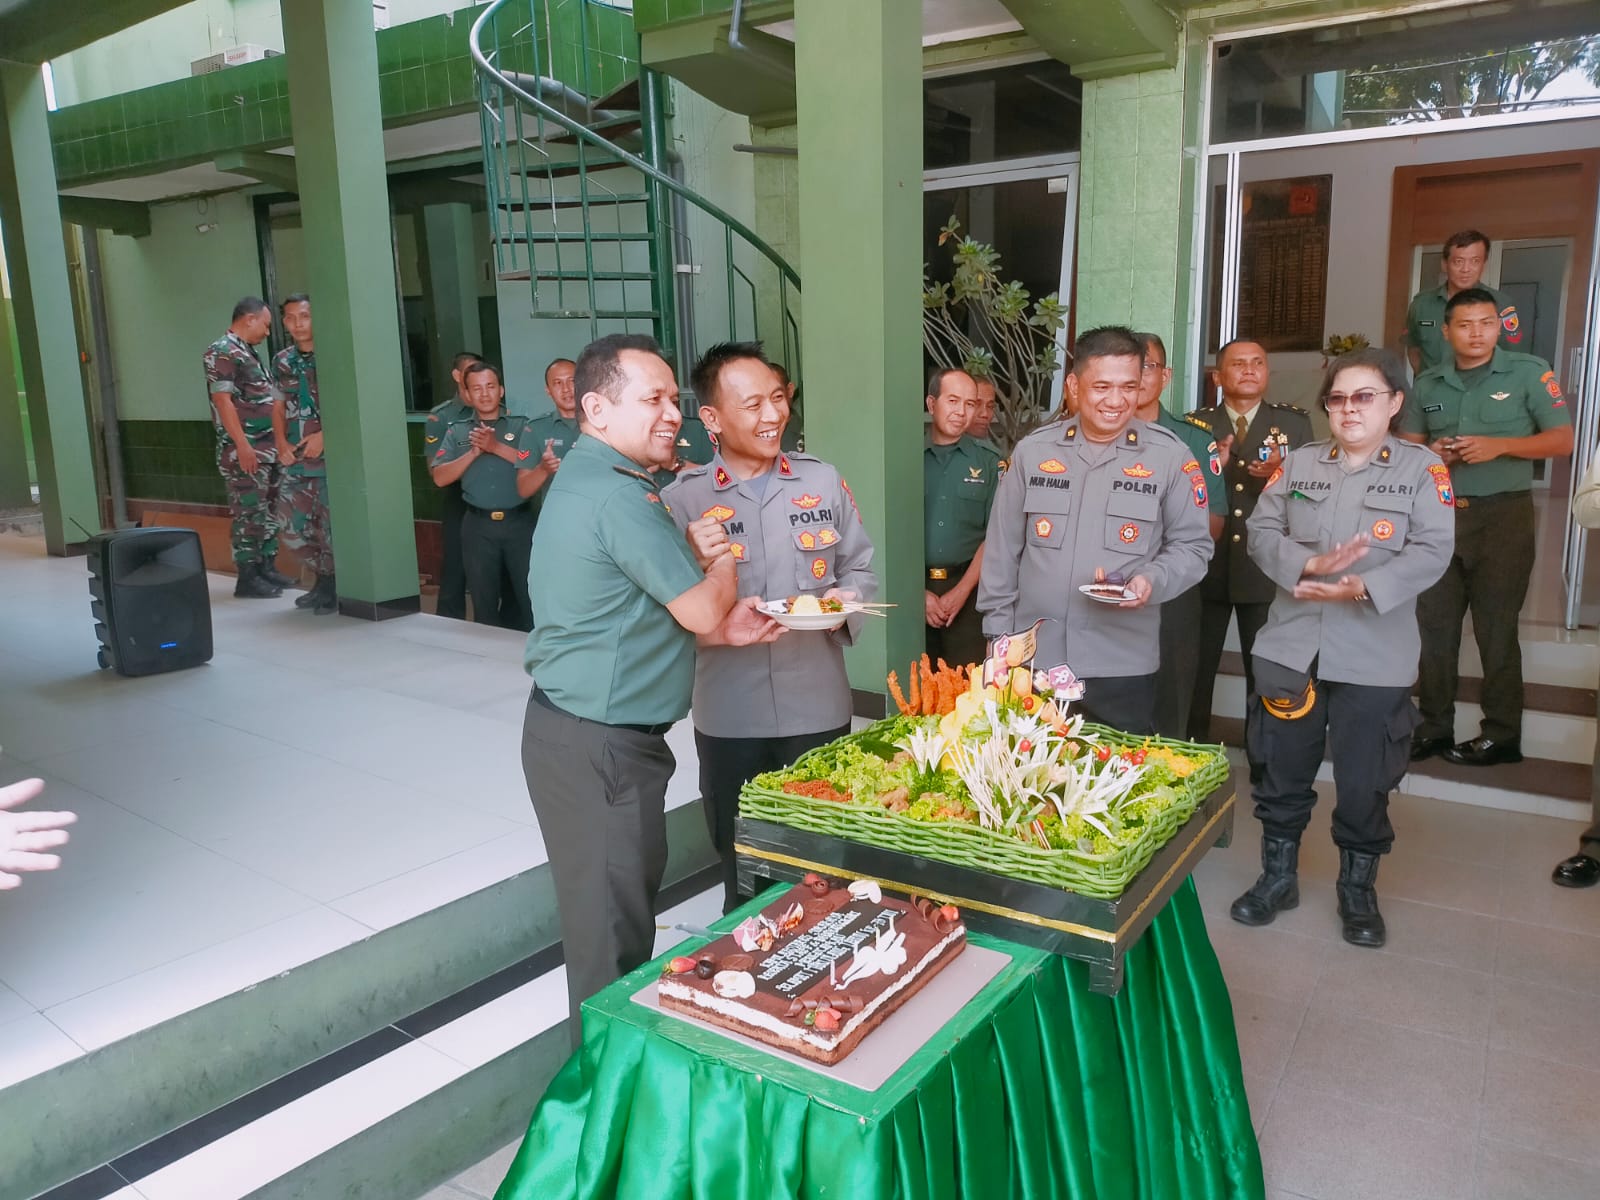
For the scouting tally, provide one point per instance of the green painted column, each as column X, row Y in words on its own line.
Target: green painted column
column 331, row 54
column 859, row 69
column 15, row 489
column 452, row 280
column 36, row 260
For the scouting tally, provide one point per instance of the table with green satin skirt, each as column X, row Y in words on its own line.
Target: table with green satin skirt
column 1036, row 1088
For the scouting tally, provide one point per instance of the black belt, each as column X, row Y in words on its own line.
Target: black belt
column 497, row 514
column 1494, row 498
column 544, row 701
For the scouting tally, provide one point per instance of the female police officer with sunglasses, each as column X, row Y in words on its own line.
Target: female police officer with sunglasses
column 1351, row 530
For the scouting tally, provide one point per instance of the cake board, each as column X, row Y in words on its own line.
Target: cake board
column 1097, row 932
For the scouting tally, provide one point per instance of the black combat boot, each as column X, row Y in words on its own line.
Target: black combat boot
column 1358, row 899
column 327, row 596
column 268, row 570
column 312, row 594
column 1278, row 887
column 251, row 586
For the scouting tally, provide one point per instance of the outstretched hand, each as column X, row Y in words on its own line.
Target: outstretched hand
column 26, row 837
column 747, row 625
column 1338, row 560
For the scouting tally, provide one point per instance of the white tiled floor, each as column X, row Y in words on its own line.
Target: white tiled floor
column 319, row 779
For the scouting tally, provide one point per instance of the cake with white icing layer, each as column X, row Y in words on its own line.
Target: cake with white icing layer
column 817, row 970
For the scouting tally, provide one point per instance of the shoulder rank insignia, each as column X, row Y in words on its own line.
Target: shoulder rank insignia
column 784, row 468
column 684, row 442
column 719, row 513
column 1551, row 387
column 1198, row 420
column 1192, row 465
column 432, row 440
column 722, row 479
column 522, row 454
column 639, row 475
column 1131, row 438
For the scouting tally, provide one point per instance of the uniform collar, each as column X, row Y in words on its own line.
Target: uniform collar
column 1071, row 436
column 588, row 446
column 241, row 343
column 1498, row 364
column 722, row 479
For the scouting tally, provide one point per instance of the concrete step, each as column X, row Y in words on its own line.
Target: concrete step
column 396, row 1114
column 249, row 1033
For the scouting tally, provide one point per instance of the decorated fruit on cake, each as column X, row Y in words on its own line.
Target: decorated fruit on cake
column 817, row 970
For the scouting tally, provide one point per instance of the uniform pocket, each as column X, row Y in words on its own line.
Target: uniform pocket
column 1386, row 520
column 1401, row 725
column 1131, row 524
column 814, row 565
column 1046, row 529
column 1306, row 517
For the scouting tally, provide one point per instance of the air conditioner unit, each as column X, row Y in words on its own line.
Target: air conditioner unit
column 231, row 57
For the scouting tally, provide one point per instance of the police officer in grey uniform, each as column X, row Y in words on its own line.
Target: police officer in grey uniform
column 794, row 530
column 1254, row 434
column 1351, row 531
column 1097, row 494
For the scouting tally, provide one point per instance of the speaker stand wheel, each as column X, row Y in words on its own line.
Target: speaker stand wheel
column 100, row 657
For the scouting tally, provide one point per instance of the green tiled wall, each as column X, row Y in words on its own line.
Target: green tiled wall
column 176, row 460
column 172, row 460
column 424, row 68
column 1128, row 217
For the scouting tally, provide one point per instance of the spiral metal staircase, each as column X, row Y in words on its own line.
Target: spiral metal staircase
column 587, row 204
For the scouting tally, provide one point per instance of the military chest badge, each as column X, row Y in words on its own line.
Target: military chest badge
column 1138, row 471
column 1129, row 533
column 819, row 567
column 1551, row 387
column 1053, row 466
column 808, row 541
column 738, row 551
column 1499, row 395
column 1191, row 465
column 827, row 537
column 511, row 437
column 719, row 513
column 1383, row 530
column 1042, row 527
column 807, row 501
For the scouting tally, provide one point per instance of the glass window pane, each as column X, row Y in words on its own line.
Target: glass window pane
column 1415, row 69
column 1008, row 112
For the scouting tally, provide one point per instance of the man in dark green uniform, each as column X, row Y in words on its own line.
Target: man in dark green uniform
column 297, row 429
column 959, row 477
column 1180, row 616
column 1254, row 435
column 621, row 601
column 241, row 408
column 1489, row 414
column 452, row 601
column 489, row 456
column 1465, row 255
column 555, row 433
column 983, row 417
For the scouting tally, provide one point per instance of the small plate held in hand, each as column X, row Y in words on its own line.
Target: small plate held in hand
column 1107, row 593
column 778, row 610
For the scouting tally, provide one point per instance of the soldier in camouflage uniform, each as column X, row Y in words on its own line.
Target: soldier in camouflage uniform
column 297, row 429
column 241, row 402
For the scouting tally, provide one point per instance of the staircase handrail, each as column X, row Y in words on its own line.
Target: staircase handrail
column 580, row 130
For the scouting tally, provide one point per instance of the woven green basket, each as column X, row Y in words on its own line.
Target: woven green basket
column 1103, row 876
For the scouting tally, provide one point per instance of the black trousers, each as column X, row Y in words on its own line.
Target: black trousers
column 600, row 793
column 1214, row 616
column 1589, row 841
column 962, row 641
column 495, row 554
column 1125, row 702
column 1180, row 663
column 1487, row 576
column 452, row 575
column 1368, row 730
column 726, row 765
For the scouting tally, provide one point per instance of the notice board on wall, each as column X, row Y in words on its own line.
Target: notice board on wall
column 1283, row 262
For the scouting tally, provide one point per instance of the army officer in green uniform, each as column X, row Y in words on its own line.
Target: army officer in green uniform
column 959, row 477
column 1465, row 255
column 452, row 599
column 794, row 530
column 555, row 433
column 1489, row 414
column 1180, row 616
column 490, row 456
column 620, row 604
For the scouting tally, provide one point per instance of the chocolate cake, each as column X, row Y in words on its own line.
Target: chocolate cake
column 818, row 969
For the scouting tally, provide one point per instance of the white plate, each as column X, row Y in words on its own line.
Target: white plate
column 1126, row 595
column 807, row 622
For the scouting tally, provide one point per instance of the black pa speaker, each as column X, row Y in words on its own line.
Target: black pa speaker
column 151, row 605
